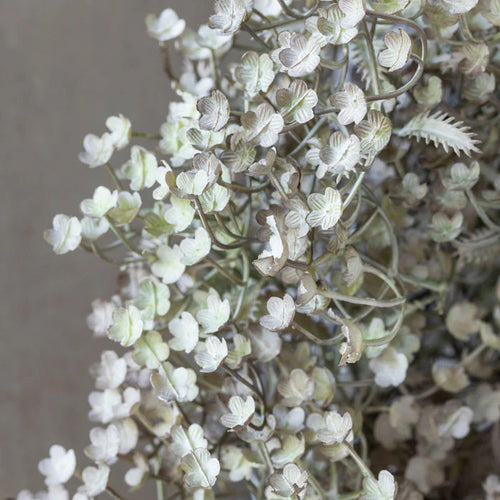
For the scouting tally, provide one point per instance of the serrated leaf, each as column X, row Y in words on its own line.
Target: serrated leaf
column 443, row 130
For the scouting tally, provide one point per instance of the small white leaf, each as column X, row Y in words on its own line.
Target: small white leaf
column 214, row 111
column 241, row 412
column 326, row 209
column 184, row 442
column 281, row 313
column 201, row 470
column 185, row 331
column 398, row 50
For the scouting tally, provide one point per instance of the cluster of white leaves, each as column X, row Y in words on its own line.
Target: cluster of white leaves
column 214, row 111
column 280, row 252
column 104, row 444
column 334, row 25
column 101, row 318
column 201, row 470
column 382, row 489
column 297, row 55
column 297, row 388
column 140, row 170
column 150, row 350
column 289, row 483
column 95, row 480
column 215, row 315
column 111, row 404
column 169, row 265
column 101, row 203
column 110, row 373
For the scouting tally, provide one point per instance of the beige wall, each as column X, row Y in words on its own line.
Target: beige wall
column 66, row 66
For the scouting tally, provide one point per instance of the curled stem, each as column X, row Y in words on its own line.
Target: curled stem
column 298, row 15
column 480, row 210
column 407, row 86
column 369, row 301
column 313, row 338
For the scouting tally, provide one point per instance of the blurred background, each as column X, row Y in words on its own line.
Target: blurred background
column 66, row 67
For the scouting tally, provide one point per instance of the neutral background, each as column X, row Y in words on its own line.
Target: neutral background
column 66, row 66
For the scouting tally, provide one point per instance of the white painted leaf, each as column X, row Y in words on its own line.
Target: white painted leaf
column 443, row 130
column 214, row 111
column 397, row 53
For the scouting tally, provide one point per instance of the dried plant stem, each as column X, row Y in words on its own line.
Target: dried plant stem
column 360, row 300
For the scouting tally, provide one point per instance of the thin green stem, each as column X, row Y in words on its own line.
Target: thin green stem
column 360, row 300
column 310, row 134
column 231, row 277
column 112, row 174
column 237, row 376
column 406, row 87
column 209, row 230
column 354, row 190
column 480, row 211
column 430, row 285
column 313, row 338
column 243, row 189
column 246, row 27
column 122, row 237
column 359, row 462
column 265, row 454
column 146, row 135
column 298, row 15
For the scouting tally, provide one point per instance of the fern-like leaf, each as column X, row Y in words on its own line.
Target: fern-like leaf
column 480, row 249
column 365, row 66
column 442, row 129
